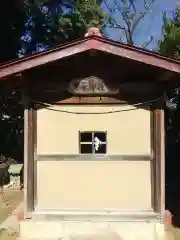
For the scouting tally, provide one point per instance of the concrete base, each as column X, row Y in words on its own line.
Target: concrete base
column 78, row 230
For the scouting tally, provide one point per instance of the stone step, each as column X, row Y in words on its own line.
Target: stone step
column 38, row 238
column 40, row 230
column 77, row 230
column 105, row 236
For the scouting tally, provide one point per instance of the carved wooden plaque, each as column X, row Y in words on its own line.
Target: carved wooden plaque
column 90, row 86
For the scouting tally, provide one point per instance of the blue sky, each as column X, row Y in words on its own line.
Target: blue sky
column 152, row 23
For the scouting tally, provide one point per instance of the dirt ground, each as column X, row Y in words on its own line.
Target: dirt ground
column 6, row 235
column 8, row 202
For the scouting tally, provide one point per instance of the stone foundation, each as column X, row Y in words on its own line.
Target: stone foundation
column 80, row 230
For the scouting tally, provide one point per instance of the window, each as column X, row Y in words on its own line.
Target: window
column 93, row 142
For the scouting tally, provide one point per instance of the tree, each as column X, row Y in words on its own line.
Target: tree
column 54, row 22
column 170, row 46
column 130, row 14
column 11, row 122
column 12, row 19
column 12, row 25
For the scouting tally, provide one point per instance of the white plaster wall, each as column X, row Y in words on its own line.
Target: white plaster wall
column 128, row 132
column 93, row 185
column 96, row 184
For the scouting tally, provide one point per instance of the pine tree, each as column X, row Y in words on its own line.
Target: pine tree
column 170, row 45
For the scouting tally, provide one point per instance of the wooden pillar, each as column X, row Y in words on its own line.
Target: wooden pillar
column 162, row 158
column 159, row 156
column 28, row 158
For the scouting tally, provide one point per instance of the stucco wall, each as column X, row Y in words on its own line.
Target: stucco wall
column 128, row 132
column 93, row 185
column 121, row 184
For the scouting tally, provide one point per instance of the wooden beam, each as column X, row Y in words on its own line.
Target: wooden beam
column 140, row 57
column 28, row 158
column 162, row 156
column 35, row 154
column 41, row 60
column 91, row 100
column 153, row 175
column 158, row 145
column 165, row 76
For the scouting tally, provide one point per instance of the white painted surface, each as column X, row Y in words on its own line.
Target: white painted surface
column 91, row 230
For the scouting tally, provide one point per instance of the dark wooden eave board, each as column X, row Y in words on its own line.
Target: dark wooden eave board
column 85, row 44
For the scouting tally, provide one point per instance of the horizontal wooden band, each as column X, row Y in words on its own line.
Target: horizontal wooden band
column 89, row 157
column 113, row 216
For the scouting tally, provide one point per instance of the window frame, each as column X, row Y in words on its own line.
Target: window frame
column 93, row 149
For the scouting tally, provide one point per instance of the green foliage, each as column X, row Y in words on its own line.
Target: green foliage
column 170, row 45
column 12, row 20
column 12, row 25
column 57, row 21
column 6, row 160
column 84, row 14
column 5, row 163
column 11, row 122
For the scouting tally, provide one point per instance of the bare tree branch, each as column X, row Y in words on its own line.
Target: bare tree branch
column 133, row 5
column 141, row 15
column 110, row 9
column 124, row 14
column 113, row 23
column 130, row 16
column 120, row 8
column 128, row 30
column 148, row 5
column 147, row 43
column 136, row 21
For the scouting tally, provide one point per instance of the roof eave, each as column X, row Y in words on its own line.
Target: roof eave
column 85, row 44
